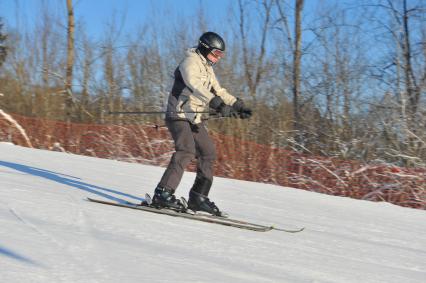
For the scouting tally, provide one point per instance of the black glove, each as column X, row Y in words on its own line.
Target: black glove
column 224, row 110
column 243, row 111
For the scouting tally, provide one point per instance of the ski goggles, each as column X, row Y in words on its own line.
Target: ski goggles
column 218, row 53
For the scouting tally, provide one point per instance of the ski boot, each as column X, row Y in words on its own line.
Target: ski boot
column 198, row 200
column 165, row 198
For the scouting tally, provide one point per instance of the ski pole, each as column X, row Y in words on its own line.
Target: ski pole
column 156, row 126
column 157, row 112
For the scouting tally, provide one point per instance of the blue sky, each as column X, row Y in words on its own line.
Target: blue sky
column 96, row 13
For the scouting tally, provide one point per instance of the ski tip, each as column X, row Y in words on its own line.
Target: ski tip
column 288, row 230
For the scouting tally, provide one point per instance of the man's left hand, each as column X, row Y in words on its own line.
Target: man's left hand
column 243, row 111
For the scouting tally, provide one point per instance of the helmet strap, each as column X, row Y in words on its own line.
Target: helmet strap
column 204, row 52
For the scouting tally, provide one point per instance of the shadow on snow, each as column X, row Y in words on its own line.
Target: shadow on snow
column 16, row 256
column 69, row 181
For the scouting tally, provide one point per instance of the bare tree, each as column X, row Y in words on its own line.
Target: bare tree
column 297, row 64
column 3, row 49
column 87, row 77
column 403, row 72
column 254, row 60
column 70, row 62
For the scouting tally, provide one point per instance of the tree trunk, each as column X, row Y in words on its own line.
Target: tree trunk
column 70, row 63
column 297, row 55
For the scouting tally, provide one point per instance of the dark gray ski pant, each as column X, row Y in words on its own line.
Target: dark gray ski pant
column 191, row 141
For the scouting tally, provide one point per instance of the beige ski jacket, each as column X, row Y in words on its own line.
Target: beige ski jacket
column 194, row 86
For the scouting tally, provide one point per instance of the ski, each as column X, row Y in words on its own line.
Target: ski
column 198, row 217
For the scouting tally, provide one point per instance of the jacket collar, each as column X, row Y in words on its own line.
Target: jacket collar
column 203, row 59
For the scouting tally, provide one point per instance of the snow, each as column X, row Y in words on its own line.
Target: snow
column 50, row 233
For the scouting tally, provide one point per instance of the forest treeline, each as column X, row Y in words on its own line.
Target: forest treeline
column 344, row 80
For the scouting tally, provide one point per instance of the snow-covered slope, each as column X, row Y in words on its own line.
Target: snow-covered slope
column 49, row 233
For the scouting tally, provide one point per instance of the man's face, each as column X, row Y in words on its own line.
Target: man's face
column 215, row 55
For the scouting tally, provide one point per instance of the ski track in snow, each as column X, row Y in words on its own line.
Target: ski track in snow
column 71, row 257
column 50, row 233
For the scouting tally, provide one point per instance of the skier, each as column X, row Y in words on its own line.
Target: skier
column 195, row 90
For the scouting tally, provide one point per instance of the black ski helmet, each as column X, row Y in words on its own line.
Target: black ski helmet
column 210, row 42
